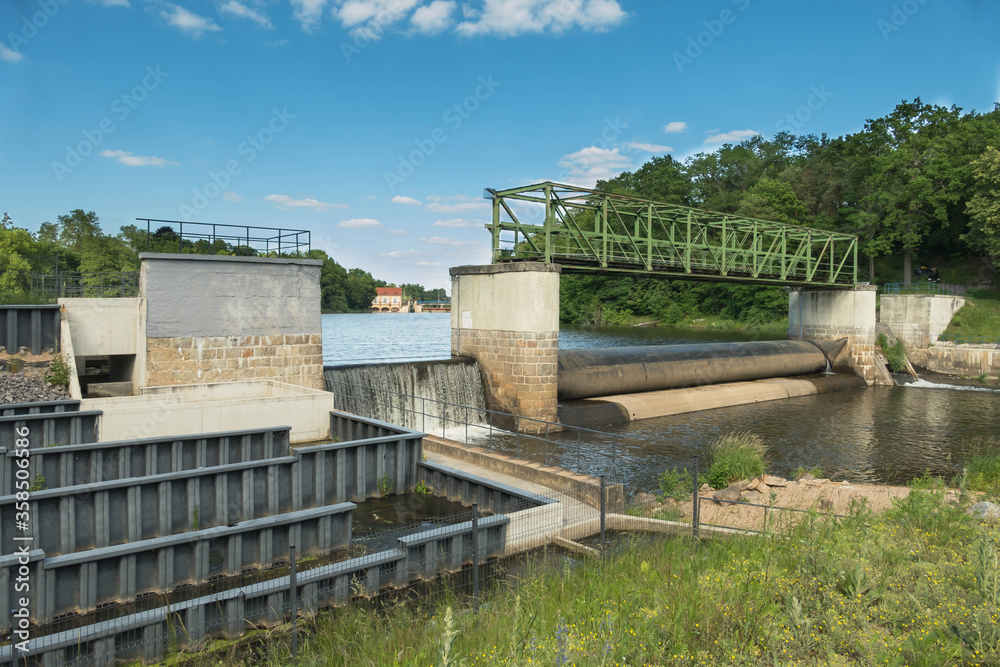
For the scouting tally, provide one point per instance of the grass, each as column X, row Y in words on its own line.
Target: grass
column 981, row 461
column 799, row 471
column 895, row 354
column 980, row 316
column 734, row 456
column 915, row 585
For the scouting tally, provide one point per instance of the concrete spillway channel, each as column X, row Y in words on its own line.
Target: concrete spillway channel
column 602, row 386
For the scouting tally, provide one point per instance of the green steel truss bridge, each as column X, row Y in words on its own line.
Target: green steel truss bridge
column 586, row 231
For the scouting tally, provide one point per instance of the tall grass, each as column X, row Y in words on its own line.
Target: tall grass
column 736, row 455
column 915, row 585
column 981, row 460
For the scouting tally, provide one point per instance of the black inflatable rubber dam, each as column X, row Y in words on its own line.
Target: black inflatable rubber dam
column 595, row 372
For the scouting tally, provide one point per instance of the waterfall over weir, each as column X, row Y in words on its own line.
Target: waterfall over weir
column 426, row 395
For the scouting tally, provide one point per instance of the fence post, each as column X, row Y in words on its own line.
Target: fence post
column 475, row 554
column 695, row 502
column 294, row 595
column 603, row 513
column 546, row 443
column 578, row 443
column 466, row 424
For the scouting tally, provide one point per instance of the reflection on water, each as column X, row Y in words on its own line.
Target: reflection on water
column 883, row 434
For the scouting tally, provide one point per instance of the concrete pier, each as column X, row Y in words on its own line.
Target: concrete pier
column 831, row 314
column 506, row 316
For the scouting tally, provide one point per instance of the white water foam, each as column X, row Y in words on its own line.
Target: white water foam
column 924, row 384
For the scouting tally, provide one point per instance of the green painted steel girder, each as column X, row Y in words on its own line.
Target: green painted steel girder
column 586, row 231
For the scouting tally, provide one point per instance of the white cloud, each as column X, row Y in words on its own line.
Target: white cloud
column 370, row 197
column 115, row 3
column 308, row 13
column 459, row 223
column 730, row 137
column 433, row 18
column 395, row 232
column 285, row 203
column 409, row 201
column 399, row 254
column 675, row 126
column 589, row 165
column 9, row 55
column 455, row 243
column 430, row 263
column 510, row 18
column 242, row 11
column 232, row 196
column 138, row 160
column 189, row 22
column 381, row 13
column 274, row 43
column 648, row 148
column 360, row 223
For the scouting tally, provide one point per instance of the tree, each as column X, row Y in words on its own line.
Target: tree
column 984, row 207
column 15, row 269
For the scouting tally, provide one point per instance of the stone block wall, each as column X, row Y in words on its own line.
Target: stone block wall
column 858, row 354
column 961, row 359
column 918, row 319
column 520, row 370
column 210, row 318
column 293, row 358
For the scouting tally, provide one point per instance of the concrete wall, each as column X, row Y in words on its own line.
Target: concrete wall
column 212, row 318
column 957, row 359
column 103, row 326
column 229, row 406
column 835, row 314
column 918, row 319
column 506, row 316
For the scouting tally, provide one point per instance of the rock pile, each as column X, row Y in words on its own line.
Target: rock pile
column 20, row 388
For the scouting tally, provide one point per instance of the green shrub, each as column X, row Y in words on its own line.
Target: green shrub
column 58, row 371
column 882, row 341
column 676, row 485
column 737, row 455
column 982, row 463
column 896, row 356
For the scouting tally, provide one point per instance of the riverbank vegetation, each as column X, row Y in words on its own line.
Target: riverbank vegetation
column 915, row 185
column 915, row 585
column 980, row 316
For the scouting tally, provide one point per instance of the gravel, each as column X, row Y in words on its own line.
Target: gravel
column 20, row 388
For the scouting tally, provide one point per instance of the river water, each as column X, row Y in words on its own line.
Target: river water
column 881, row 434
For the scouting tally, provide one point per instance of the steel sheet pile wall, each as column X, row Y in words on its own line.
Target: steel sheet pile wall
column 126, row 520
column 51, row 429
column 34, row 327
column 42, row 407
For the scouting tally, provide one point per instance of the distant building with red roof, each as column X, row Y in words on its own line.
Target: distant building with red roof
column 388, row 300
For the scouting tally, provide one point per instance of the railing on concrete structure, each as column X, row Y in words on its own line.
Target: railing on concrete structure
column 41, row 407
column 86, row 285
column 923, row 288
column 35, row 327
column 92, row 462
column 557, row 444
column 49, row 429
column 205, row 237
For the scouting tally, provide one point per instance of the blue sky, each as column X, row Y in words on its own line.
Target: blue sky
column 376, row 124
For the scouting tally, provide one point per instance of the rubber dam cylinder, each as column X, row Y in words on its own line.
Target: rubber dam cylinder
column 629, row 370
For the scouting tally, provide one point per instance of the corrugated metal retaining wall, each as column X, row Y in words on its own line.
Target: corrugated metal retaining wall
column 34, row 327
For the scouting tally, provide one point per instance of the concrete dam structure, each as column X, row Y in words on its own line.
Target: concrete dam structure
column 603, row 386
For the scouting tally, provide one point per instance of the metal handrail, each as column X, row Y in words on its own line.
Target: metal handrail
column 923, row 288
column 491, row 417
column 274, row 239
column 86, row 285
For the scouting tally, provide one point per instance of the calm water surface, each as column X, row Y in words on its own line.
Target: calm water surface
column 880, row 434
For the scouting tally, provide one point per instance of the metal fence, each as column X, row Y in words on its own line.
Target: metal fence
column 90, row 285
column 199, row 237
column 969, row 340
column 923, row 288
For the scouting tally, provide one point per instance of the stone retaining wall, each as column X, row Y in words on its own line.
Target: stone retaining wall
column 293, row 358
column 952, row 359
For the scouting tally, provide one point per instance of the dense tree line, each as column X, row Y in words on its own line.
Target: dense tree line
column 75, row 243
column 922, row 183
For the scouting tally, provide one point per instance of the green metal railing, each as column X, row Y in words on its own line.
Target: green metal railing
column 923, row 288
column 590, row 231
